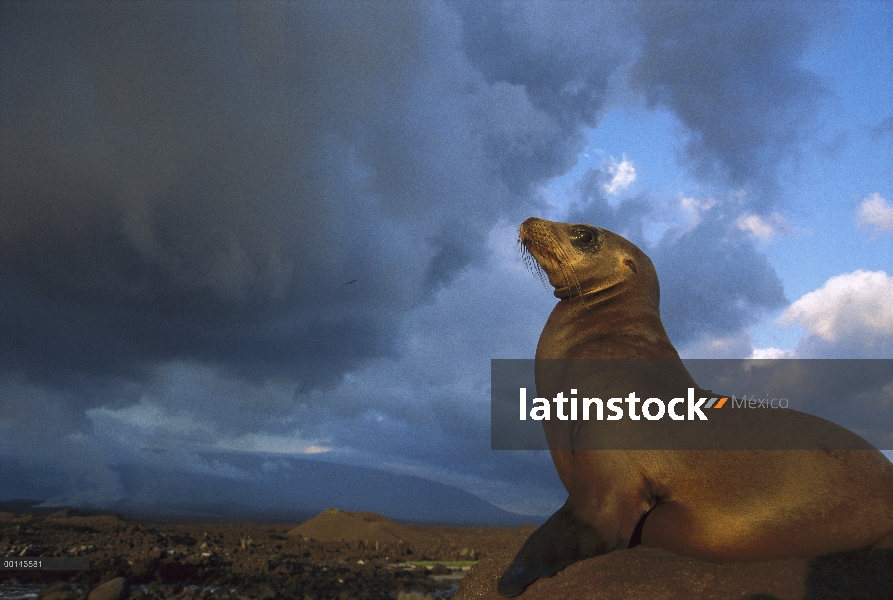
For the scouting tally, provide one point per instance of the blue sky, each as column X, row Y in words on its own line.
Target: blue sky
column 842, row 167
column 288, row 231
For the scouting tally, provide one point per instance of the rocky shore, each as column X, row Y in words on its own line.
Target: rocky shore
column 356, row 556
column 337, row 555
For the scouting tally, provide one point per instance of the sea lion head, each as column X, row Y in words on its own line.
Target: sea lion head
column 585, row 261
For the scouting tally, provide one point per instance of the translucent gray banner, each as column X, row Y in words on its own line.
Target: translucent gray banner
column 691, row 405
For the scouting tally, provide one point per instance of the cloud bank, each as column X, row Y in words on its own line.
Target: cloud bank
column 851, row 314
column 273, row 224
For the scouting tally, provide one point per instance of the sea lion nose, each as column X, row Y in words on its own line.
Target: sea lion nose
column 529, row 224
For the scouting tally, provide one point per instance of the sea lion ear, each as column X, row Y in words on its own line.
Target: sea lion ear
column 631, row 264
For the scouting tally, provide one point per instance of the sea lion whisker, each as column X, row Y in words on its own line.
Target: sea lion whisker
column 543, row 242
column 531, row 262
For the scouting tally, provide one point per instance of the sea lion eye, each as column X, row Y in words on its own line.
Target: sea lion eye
column 582, row 238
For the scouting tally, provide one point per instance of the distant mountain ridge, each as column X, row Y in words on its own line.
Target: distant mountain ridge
column 274, row 489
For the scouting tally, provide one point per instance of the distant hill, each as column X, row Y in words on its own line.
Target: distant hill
column 333, row 524
column 460, row 543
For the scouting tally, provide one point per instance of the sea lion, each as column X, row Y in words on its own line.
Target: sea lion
column 715, row 505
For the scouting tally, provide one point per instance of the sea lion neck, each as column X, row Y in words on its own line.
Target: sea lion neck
column 612, row 328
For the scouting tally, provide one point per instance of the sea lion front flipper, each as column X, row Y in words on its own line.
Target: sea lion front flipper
column 560, row 541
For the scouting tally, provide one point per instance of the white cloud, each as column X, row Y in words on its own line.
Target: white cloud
column 711, row 346
column 770, row 353
column 761, row 227
column 154, row 425
column 622, row 175
column 853, row 308
column 274, row 444
column 693, row 205
column 693, row 209
column 876, row 214
column 148, row 418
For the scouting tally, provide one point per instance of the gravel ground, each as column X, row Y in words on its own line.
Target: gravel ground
column 360, row 558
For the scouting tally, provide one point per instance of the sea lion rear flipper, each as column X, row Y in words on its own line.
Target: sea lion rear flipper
column 562, row 540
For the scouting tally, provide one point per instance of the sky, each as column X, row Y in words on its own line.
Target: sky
column 234, row 235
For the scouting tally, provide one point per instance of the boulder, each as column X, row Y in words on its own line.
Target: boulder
column 116, row 589
column 652, row 573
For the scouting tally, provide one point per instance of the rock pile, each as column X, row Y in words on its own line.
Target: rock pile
column 337, row 554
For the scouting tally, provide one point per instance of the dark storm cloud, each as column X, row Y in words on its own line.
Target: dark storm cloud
column 198, row 181
column 186, row 188
column 163, row 196
column 562, row 55
column 729, row 71
column 713, row 281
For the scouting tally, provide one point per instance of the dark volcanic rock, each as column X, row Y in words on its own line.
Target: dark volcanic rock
column 356, row 555
column 61, row 590
column 116, row 589
column 651, row 573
